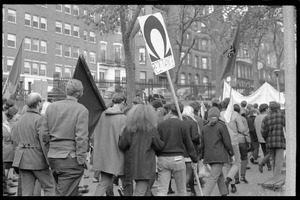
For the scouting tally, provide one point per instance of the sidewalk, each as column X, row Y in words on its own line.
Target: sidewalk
column 250, row 189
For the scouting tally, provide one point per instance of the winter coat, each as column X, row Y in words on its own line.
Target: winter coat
column 241, row 135
column 234, row 126
column 195, row 136
column 10, row 143
column 272, row 129
column 252, row 130
column 257, row 123
column 66, row 125
column 7, row 143
column 107, row 156
column 29, row 154
column 139, row 148
column 216, row 143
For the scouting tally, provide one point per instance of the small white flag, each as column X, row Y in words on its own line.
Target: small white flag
column 202, row 109
column 229, row 110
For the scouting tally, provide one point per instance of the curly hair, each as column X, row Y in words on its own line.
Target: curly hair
column 141, row 117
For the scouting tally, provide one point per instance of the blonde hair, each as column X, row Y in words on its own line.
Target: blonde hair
column 188, row 111
column 141, row 117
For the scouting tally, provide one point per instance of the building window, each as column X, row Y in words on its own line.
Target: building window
column 35, row 68
column 75, row 10
column 92, row 57
column 68, row 9
column 203, row 27
column 205, row 80
column 143, row 76
column 43, row 69
column 196, row 79
column 85, row 35
column 117, row 51
column 103, row 51
column 76, row 31
column 117, row 75
column 142, row 55
column 204, row 45
column 58, row 69
column 58, row 27
column 188, row 58
column 196, row 62
column 189, row 79
column 204, row 63
column 11, row 40
column 181, row 57
column 67, row 29
column 11, row 16
column 101, row 75
column 68, row 51
column 9, row 63
column 182, row 78
column 84, row 12
column 27, row 42
column 75, row 52
column 92, row 37
column 27, row 20
column 58, row 49
column 27, row 67
column 35, row 21
column 187, row 42
column 35, row 45
column 68, row 72
column 85, row 54
column 58, row 7
column 43, row 46
column 43, row 23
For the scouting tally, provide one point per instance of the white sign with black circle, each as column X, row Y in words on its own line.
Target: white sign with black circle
column 157, row 42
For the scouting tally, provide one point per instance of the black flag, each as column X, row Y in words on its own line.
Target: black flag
column 231, row 55
column 91, row 97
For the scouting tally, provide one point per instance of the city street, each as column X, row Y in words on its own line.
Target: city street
column 250, row 189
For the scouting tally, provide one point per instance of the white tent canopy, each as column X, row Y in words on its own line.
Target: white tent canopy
column 264, row 94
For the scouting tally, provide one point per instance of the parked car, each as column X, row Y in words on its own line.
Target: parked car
column 184, row 93
column 162, row 92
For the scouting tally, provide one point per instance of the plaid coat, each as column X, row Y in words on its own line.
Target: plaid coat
column 272, row 130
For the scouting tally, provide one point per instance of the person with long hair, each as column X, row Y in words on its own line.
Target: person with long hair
column 188, row 118
column 139, row 141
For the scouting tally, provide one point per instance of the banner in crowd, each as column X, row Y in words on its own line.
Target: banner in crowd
column 264, row 94
column 91, row 97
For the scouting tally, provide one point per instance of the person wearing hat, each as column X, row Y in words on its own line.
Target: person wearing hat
column 272, row 129
column 243, row 107
column 217, row 149
column 263, row 109
column 254, row 141
column 65, row 127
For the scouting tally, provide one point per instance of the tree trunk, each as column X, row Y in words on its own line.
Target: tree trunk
column 130, row 71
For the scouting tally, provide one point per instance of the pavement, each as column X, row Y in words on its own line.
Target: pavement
column 251, row 189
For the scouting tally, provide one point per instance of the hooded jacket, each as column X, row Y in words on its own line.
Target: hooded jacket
column 107, row 155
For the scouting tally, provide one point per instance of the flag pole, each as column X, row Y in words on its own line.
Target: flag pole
column 174, row 96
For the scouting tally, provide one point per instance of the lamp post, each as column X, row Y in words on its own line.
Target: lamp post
column 276, row 72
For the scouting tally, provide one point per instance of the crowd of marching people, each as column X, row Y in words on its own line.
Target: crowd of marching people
column 45, row 145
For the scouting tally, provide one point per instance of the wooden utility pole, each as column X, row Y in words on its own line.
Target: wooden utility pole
column 290, row 97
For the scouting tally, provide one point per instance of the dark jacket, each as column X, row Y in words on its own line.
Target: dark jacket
column 175, row 134
column 251, row 126
column 216, row 143
column 272, row 129
column 139, row 148
column 195, row 136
